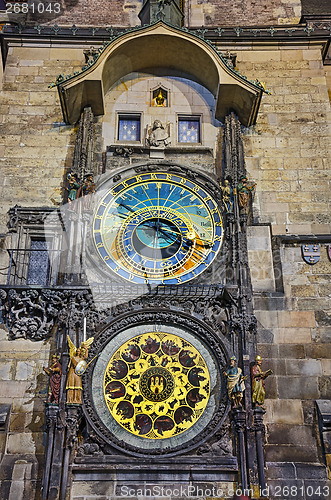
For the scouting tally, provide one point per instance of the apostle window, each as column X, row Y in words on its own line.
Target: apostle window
column 129, row 127
column 189, row 129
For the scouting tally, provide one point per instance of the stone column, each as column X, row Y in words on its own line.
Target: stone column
column 73, row 416
column 259, row 438
column 239, row 418
column 51, row 412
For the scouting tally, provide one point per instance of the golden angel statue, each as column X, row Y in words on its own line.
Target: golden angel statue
column 76, row 368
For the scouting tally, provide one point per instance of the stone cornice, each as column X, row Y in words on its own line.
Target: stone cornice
column 314, row 29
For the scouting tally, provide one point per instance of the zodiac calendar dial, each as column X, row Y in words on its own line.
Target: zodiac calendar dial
column 156, row 385
column 157, row 228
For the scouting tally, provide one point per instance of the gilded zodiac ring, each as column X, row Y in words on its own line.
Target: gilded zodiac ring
column 156, row 385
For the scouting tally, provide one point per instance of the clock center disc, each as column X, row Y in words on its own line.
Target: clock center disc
column 157, row 384
column 156, row 236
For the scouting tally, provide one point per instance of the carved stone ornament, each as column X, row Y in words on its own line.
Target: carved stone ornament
column 35, row 313
column 91, row 55
column 34, row 216
column 219, row 445
column 32, row 314
column 158, row 135
column 95, row 407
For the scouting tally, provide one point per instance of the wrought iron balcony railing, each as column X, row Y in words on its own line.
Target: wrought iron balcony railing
column 34, row 266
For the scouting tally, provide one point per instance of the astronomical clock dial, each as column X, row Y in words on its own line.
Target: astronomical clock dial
column 156, row 385
column 157, row 228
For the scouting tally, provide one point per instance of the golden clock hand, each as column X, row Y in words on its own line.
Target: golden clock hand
column 189, row 237
column 206, row 243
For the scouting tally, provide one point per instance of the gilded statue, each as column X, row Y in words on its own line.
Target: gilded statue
column 258, row 384
column 76, row 368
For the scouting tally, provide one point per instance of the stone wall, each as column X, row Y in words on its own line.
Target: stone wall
column 287, row 154
column 294, row 334
column 242, row 13
column 24, row 390
column 34, row 141
column 288, row 151
column 197, row 13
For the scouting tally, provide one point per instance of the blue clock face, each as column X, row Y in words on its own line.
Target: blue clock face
column 157, row 228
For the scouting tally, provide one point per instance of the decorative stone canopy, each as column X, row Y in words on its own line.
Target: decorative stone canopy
column 161, row 46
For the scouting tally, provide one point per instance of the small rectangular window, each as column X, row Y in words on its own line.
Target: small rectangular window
column 189, row 129
column 129, row 128
column 38, row 270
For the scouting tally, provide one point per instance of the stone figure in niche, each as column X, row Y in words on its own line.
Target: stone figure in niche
column 227, row 196
column 73, row 187
column 245, row 191
column 159, row 136
column 258, row 384
column 76, row 368
column 54, row 371
column 235, row 382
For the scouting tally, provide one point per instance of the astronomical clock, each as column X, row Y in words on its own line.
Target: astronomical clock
column 157, row 228
column 156, row 384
